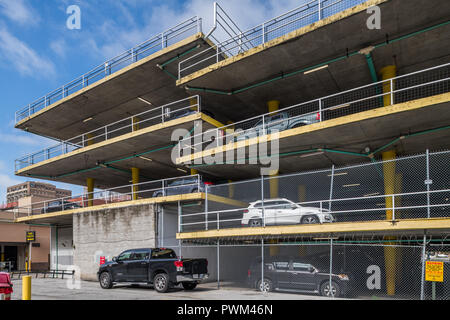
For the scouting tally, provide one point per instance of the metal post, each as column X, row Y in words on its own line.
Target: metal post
column 428, row 182
column 392, row 92
column 262, row 199
column 162, row 40
column 320, row 110
column 262, row 265
column 263, row 33
column 393, row 207
column 331, row 187
column 206, row 208
column 422, row 281
column 218, row 264
column 162, row 226
column 331, row 266
column 320, row 9
column 179, row 217
column 106, row 133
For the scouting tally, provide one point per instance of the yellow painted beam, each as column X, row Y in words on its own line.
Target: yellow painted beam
column 232, row 202
column 338, row 227
column 387, row 73
column 283, row 39
column 211, row 121
column 153, row 56
column 167, row 199
column 357, row 117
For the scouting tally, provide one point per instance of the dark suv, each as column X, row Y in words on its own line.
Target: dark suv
column 287, row 274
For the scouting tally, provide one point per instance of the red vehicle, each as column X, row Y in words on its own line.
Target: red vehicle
column 6, row 285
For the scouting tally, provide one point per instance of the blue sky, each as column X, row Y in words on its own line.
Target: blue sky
column 38, row 53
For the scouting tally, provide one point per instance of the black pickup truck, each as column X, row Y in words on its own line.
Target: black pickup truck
column 158, row 266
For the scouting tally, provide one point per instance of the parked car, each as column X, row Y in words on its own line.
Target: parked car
column 6, row 287
column 283, row 211
column 278, row 122
column 186, row 112
column 181, row 186
column 287, row 274
column 158, row 266
column 59, row 205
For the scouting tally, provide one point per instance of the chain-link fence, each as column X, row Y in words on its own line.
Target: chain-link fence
column 327, row 268
column 409, row 187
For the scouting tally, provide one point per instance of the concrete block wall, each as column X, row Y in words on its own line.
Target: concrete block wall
column 108, row 233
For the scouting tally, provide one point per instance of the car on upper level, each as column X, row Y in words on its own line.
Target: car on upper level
column 297, row 274
column 186, row 112
column 159, row 267
column 283, row 212
column 276, row 123
column 182, row 186
column 59, row 205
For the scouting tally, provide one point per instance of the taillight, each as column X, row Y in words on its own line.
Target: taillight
column 178, row 264
column 318, row 116
column 208, row 183
column 249, row 273
column 245, row 211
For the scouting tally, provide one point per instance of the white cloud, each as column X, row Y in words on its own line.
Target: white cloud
column 59, row 47
column 24, row 59
column 19, row 11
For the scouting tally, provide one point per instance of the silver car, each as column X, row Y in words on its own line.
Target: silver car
column 277, row 123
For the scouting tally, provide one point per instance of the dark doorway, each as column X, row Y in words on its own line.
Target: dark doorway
column 11, row 255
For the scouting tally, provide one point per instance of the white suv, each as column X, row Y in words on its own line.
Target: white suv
column 283, row 211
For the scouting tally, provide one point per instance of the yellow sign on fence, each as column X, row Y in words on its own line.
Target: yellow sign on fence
column 434, row 271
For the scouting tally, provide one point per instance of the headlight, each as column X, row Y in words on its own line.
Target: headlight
column 343, row 276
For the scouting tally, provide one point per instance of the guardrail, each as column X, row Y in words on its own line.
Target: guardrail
column 149, row 189
column 45, row 273
column 369, row 208
column 415, row 85
column 133, row 123
column 304, row 15
column 156, row 43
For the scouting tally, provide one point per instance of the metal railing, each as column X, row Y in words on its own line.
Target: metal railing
column 370, row 208
column 45, row 273
column 304, row 15
column 157, row 115
column 415, row 85
column 137, row 191
column 156, row 43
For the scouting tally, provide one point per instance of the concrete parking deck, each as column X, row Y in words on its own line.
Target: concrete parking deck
column 275, row 69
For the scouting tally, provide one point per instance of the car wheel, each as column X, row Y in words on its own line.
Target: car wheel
column 161, row 282
column 255, row 223
column 105, row 280
column 264, row 286
column 189, row 285
column 327, row 292
column 159, row 194
column 195, row 190
column 310, row 220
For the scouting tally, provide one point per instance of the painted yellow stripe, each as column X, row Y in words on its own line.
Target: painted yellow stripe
column 115, row 75
column 158, row 200
column 167, row 199
column 212, row 121
column 130, row 135
column 343, row 227
column 280, row 40
column 361, row 116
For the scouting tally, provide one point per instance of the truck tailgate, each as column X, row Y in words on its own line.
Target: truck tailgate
column 195, row 266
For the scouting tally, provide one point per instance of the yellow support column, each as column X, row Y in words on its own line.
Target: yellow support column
column 194, row 172
column 89, row 139
column 26, row 288
column 135, row 121
column 2, row 254
column 387, row 72
column 135, row 180
column 90, row 190
column 273, row 105
column 389, row 250
column 194, row 103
